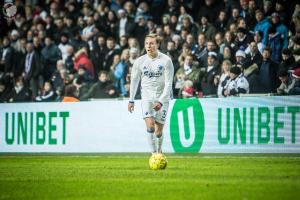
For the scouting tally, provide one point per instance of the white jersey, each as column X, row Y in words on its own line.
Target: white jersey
column 238, row 85
column 156, row 77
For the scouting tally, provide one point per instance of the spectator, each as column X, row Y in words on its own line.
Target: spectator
column 84, row 74
column 287, row 82
column 173, row 53
column 89, row 31
column 186, row 50
column 59, row 79
column 4, row 92
column 81, row 87
column 102, row 89
column 187, row 71
column 116, row 61
column 240, row 58
column 221, row 22
column 253, row 54
column 142, row 11
column 225, row 77
column 281, row 29
column 228, row 54
column 59, row 28
column 209, row 81
column 140, row 30
column 120, row 72
column 20, row 92
column 20, row 54
column 238, row 84
column 234, row 16
column 188, row 90
column 99, row 52
column 258, row 36
column 123, row 43
column 51, row 54
column 47, row 93
column 219, row 40
column 63, row 45
column 133, row 53
column 268, row 73
column 7, row 61
column 288, row 61
column 32, row 70
column 274, row 42
column 242, row 39
column 70, row 94
column 209, row 9
column 192, row 28
column 208, row 29
column 262, row 25
column 251, row 72
column 81, row 59
column 111, row 51
column 130, row 9
column 69, row 64
column 125, row 25
column 200, row 51
column 296, row 89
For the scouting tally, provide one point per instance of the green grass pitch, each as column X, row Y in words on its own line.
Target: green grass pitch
column 127, row 176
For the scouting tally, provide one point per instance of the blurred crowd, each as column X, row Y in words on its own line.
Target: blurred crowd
column 71, row 50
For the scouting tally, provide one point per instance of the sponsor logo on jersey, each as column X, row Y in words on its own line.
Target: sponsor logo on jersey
column 152, row 74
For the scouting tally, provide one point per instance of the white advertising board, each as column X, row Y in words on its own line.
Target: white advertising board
column 212, row 125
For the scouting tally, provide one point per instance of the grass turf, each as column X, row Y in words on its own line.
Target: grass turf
column 127, row 176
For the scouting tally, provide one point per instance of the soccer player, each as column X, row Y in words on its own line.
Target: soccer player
column 156, row 71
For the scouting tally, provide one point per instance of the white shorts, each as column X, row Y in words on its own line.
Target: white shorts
column 148, row 111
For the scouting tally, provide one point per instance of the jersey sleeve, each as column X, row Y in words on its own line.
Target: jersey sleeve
column 169, row 75
column 135, row 80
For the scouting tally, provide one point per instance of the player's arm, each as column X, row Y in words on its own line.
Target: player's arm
column 169, row 75
column 134, row 83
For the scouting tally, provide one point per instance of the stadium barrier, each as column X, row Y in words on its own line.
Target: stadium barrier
column 210, row 125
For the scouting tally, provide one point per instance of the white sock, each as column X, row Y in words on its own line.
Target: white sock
column 151, row 139
column 159, row 141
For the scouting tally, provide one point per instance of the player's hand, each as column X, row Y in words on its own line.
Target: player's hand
column 157, row 106
column 130, row 107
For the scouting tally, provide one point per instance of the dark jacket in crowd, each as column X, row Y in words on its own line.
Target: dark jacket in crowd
column 24, row 95
column 4, row 95
column 51, row 55
column 268, row 76
column 100, row 90
column 35, row 68
column 207, row 83
column 287, row 64
column 296, row 89
column 97, row 57
column 255, row 58
column 9, row 60
column 252, row 76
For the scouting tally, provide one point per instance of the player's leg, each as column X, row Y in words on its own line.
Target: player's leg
column 159, row 136
column 150, row 124
column 149, row 120
column 160, row 118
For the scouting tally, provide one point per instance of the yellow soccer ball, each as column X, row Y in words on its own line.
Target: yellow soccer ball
column 158, row 161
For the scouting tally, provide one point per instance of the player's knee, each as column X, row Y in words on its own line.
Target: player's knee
column 150, row 130
column 158, row 134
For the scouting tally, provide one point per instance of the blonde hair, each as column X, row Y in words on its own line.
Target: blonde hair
column 153, row 35
column 227, row 64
